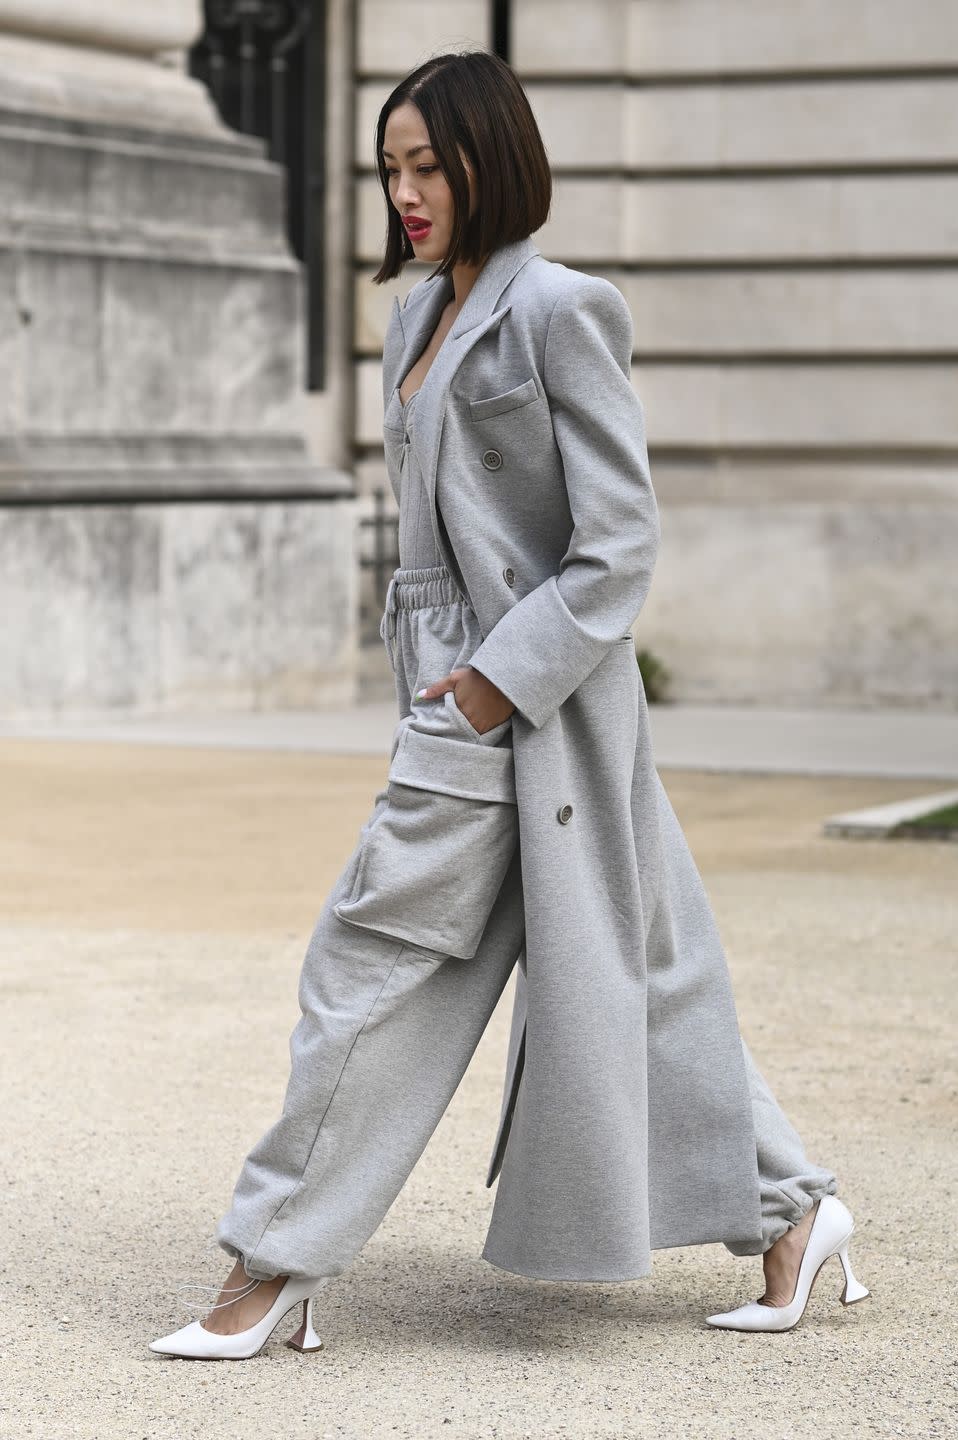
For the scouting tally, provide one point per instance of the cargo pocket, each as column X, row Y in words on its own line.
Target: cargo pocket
column 434, row 858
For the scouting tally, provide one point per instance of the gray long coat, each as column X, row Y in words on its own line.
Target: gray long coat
column 626, row 1108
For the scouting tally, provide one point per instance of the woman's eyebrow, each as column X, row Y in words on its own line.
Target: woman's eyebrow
column 388, row 155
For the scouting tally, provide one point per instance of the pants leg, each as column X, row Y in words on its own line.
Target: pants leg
column 385, row 1035
column 407, row 961
column 790, row 1183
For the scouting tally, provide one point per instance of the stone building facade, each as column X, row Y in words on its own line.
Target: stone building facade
column 773, row 184
column 168, row 538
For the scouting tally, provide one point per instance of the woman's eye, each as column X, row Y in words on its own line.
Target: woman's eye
column 423, row 170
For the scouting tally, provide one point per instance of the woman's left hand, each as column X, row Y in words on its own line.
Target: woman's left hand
column 482, row 703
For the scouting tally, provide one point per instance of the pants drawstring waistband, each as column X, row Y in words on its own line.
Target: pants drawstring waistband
column 387, row 626
column 410, row 588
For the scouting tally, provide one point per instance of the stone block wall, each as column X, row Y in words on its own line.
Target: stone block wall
column 166, row 541
column 773, row 184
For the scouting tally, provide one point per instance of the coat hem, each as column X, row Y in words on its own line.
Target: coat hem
column 684, row 1242
column 529, row 1274
column 670, row 1243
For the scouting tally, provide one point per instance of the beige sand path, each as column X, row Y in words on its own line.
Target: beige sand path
column 154, row 907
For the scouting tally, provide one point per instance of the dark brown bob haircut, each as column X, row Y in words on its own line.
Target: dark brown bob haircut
column 473, row 99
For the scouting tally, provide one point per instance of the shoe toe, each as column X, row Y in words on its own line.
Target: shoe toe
column 179, row 1342
column 728, row 1318
column 754, row 1316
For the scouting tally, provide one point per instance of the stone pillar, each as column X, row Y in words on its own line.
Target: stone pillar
column 166, row 542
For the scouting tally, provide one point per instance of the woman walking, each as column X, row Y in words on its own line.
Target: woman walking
column 523, row 821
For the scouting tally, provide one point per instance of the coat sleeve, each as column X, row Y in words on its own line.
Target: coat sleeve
column 548, row 643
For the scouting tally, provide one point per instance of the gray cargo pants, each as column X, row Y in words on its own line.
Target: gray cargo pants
column 407, row 961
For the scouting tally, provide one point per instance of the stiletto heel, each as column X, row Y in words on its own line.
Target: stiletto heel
column 830, row 1233
column 306, row 1338
column 195, row 1342
column 853, row 1289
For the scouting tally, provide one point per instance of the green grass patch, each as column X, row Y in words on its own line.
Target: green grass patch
column 655, row 677
column 936, row 825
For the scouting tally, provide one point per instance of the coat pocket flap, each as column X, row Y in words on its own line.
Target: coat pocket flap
column 508, row 400
column 454, row 767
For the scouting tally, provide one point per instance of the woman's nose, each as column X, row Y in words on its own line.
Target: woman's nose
column 406, row 193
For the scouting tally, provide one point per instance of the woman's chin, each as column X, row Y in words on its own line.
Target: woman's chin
column 428, row 249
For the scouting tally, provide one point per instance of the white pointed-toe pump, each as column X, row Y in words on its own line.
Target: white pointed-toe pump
column 195, row 1342
column 830, row 1233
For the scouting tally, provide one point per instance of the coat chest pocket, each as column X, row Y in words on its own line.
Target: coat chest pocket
column 512, row 399
column 435, row 855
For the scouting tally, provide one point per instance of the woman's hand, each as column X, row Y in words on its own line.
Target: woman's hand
column 482, row 703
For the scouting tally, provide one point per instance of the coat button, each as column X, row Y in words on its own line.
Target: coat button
column 492, row 459
column 509, row 575
column 565, row 814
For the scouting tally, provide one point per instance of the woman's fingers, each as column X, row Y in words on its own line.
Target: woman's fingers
column 435, row 688
column 478, row 694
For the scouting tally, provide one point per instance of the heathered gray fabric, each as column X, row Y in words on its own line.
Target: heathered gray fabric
column 626, row 1121
column 436, row 855
column 405, row 966
column 633, row 1116
column 789, row 1182
column 388, row 1025
column 417, row 548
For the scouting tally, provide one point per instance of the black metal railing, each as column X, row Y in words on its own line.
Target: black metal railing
column 382, row 561
column 264, row 63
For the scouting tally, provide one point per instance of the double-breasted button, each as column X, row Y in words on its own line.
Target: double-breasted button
column 492, row 459
column 509, row 575
column 565, row 814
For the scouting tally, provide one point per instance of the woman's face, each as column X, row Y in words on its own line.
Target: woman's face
column 417, row 186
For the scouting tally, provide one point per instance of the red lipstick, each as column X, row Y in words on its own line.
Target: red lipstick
column 416, row 227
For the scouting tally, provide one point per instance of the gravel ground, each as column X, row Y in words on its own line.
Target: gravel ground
column 154, row 908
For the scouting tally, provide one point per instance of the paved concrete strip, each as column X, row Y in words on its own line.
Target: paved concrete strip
column 879, row 820
column 685, row 737
column 351, row 730
column 806, row 742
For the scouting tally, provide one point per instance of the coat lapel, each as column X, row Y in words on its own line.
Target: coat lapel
column 417, row 321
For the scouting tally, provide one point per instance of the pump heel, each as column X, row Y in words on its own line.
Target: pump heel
column 195, row 1342
column 306, row 1340
column 830, row 1233
column 853, row 1290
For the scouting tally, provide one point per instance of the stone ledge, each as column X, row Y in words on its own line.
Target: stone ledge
column 168, row 247
column 879, row 821
column 106, row 25
column 87, row 469
column 175, row 447
column 75, row 82
column 67, row 192
column 133, row 487
column 215, row 143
